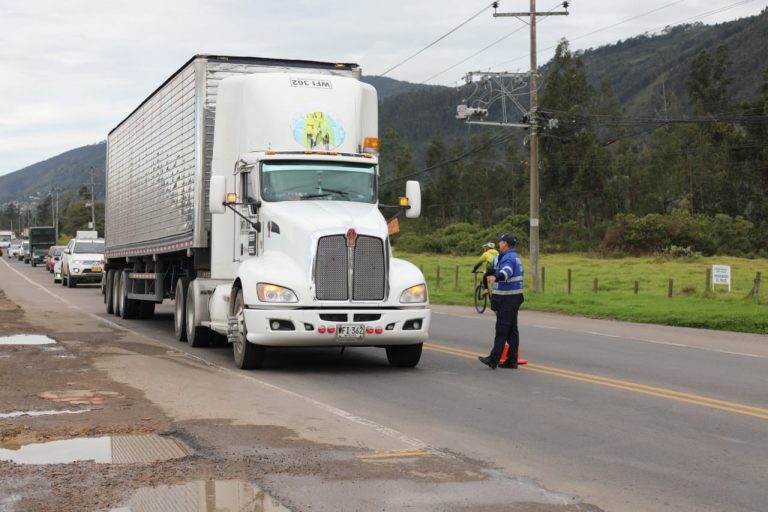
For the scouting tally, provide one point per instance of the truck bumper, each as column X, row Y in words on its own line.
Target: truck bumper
column 303, row 328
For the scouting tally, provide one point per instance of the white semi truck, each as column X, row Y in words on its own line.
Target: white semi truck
column 246, row 190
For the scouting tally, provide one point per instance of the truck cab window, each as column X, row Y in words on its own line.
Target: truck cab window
column 318, row 181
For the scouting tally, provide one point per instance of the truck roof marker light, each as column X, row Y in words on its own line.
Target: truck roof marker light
column 308, row 151
column 371, row 145
column 333, row 152
column 366, row 155
column 271, row 152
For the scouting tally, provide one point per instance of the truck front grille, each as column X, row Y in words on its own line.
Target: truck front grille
column 368, row 269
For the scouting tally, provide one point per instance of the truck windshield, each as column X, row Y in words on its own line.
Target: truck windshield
column 5, row 238
column 305, row 180
column 89, row 247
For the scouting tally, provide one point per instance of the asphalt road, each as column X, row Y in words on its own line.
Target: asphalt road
column 626, row 416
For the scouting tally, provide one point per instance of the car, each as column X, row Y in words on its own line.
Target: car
column 24, row 253
column 57, row 271
column 14, row 250
column 82, row 261
column 54, row 255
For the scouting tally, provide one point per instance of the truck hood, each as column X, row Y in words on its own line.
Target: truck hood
column 295, row 218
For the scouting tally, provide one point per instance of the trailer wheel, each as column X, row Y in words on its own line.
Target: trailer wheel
column 179, row 323
column 108, row 291
column 248, row 356
column 197, row 335
column 116, row 292
column 404, row 356
column 129, row 308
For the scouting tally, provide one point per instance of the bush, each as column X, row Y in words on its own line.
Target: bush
column 680, row 234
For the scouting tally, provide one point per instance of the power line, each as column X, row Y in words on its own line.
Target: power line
column 430, row 45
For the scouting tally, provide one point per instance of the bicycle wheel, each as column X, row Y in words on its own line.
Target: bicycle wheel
column 481, row 301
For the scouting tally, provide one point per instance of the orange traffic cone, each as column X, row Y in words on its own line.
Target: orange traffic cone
column 505, row 353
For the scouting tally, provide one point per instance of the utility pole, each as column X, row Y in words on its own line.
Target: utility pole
column 93, row 202
column 532, row 137
column 55, row 210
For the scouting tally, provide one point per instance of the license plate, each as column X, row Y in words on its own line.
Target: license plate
column 96, row 269
column 350, row 331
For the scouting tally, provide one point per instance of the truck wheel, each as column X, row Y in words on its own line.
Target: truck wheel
column 108, row 291
column 146, row 310
column 248, row 356
column 404, row 356
column 129, row 308
column 179, row 318
column 197, row 335
column 116, row 291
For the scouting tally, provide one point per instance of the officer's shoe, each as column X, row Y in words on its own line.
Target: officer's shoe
column 487, row 361
column 509, row 363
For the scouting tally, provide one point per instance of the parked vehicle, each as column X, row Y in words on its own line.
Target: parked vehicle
column 54, row 255
column 24, row 253
column 40, row 239
column 286, row 246
column 82, row 261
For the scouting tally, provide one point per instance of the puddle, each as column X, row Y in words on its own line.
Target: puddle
column 107, row 450
column 26, row 339
column 221, row 496
column 39, row 413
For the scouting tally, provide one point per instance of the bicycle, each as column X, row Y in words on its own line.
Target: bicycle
column 481, row 300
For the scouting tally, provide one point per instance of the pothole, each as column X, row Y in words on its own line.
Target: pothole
column 79, row 396
column 26, row 339
column 17, row 414
column 219, row 495
column 124, row 449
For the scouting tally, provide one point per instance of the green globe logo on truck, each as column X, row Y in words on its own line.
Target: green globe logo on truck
column 318, row 131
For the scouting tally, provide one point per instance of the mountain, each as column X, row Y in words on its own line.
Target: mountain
column 67, row 171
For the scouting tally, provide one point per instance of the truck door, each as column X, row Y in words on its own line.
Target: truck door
column 246, row 236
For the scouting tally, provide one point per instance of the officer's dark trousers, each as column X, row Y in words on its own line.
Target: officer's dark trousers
column 506, row 328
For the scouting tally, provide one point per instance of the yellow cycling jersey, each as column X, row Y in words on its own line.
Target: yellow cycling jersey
column 487, row 257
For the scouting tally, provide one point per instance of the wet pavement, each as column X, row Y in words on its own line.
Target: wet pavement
column 107, row 450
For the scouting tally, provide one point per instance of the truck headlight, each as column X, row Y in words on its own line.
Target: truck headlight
column 274, row 293
column 415, row 294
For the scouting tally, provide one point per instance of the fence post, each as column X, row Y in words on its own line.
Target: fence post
column 754, row 293
column 437, row 279
column 594, row 285
column 671, row 285
column 569, row 281
column 637, row 287
column 708, row 279
column 456, row 279
column 543, row 277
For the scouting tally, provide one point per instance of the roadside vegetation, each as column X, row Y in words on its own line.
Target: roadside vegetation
column 691, row 304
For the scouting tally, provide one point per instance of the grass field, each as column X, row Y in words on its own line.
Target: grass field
column 690, row 305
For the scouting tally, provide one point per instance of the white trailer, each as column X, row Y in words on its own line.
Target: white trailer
column 246, row 190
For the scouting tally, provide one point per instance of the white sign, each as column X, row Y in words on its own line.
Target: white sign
column 721, row 274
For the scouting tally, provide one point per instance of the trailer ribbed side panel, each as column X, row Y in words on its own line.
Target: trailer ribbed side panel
column 159, row 157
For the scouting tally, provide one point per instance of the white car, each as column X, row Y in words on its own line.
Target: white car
column 82, row 261
column 14, row 250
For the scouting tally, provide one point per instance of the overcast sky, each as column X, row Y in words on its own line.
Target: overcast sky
column 71, row 70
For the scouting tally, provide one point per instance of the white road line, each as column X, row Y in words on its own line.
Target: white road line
column 606, row 335
column 353, row 418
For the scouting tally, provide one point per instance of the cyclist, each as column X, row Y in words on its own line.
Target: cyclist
column 489, row 257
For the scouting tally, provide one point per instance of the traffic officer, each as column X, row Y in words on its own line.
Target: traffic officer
column 506, row 299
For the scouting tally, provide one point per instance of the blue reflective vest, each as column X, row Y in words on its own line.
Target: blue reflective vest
column 509, row 274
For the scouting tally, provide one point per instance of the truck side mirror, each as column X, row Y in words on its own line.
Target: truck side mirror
column 218, row 193
column 413, row 193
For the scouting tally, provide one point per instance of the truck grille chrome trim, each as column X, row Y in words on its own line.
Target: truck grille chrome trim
column 341, row 271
